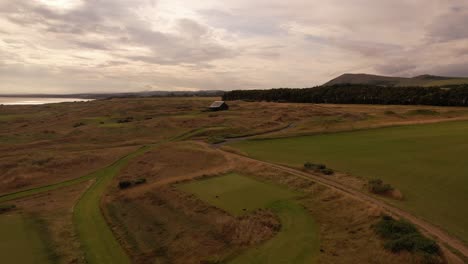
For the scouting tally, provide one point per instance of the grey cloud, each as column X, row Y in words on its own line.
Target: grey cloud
column 192, row 28
column 110, row 44
column 364, row 48
column 450, row 26
column 396, row 68
column 92, row 45
column 114, row 20
column 453, row 70
column 243, row 21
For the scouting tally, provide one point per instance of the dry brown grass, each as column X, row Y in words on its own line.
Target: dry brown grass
column 54, row 210
column 169, row 226
column 346, row 233
column 32, row 168
column 39, row 145
column 188, row 231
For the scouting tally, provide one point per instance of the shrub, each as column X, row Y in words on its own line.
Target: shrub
column 312, row 166
column 308, row 165
column 401, row 235
column 128, row 184
column 125, row 120
column 140, row 181
column 327, row 171
column 318, row 168
column 389, row 228
column 125, row 184
column 78, row 124
column 379, row 187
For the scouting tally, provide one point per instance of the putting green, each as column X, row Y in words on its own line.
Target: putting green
column 426, row 162
column 21, row 241
column 296, row 242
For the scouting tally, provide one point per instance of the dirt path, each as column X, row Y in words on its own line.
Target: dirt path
column 432, row 230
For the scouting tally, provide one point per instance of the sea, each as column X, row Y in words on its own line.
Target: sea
column 37, row 100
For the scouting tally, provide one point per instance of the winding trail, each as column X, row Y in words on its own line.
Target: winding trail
column 427, row 227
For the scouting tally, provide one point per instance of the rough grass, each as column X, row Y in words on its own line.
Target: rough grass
column 426, row 162
column 22, row 241
column 97, row 239
column 296, row 242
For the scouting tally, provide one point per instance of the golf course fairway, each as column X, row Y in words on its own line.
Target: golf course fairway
column 427, row 163
column 22, row 241
column 97, row 239
column 296, row 242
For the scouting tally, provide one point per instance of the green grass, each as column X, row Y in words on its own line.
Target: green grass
column 22, row 241
column 96, row 237
column 296, row 242
column 426, row 162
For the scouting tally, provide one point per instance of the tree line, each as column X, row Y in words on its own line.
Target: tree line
column 455, row 95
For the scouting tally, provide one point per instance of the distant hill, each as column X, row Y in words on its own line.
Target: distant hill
column 202, row 93
column 422, row 80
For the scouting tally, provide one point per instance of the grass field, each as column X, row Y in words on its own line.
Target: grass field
column 23, row 241
column 296, row 242
column 426, row 162
column 97, row 239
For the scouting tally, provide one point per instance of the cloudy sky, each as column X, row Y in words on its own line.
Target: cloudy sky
column 77, row 46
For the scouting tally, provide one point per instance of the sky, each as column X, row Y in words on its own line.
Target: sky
column 85, row 46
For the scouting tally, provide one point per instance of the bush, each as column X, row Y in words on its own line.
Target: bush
column 125, row 120
column 390, row 228
column 78, row 124
column 312, row 166
column 401, row 235
column 128, row 184
column 140, row 181
column 318, row 168
column 379, row 187
column 125, row 184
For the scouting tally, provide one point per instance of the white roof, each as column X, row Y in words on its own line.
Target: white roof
column 217, row 104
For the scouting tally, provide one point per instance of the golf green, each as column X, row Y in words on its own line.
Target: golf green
column 296, row 242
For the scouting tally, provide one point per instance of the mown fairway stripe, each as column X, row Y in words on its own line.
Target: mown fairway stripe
column 97, row 239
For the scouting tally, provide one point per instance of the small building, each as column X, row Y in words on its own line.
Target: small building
column 218, row 106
